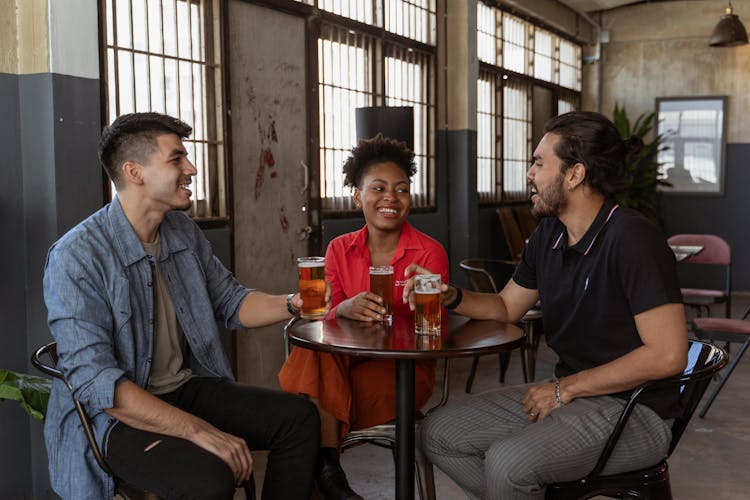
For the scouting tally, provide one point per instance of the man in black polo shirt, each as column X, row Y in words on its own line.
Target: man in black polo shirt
column 613, row 313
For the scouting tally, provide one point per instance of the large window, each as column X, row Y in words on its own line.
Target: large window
column 164, row 56
column 388, row 64
column 516, row 55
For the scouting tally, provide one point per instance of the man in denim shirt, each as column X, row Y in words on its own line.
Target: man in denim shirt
column 133, row 294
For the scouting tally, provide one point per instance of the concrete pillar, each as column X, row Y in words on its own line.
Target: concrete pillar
column 458, row 72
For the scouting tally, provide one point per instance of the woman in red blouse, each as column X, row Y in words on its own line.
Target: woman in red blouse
column 353, row 392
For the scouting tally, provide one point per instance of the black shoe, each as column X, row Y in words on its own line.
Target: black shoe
column 332, row 481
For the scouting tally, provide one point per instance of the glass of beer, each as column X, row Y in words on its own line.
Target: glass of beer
column 381, row 283
column 312, row 286
column 427, row 298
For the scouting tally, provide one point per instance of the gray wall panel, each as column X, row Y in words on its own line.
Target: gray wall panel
column 58, row 120
column 15, row 456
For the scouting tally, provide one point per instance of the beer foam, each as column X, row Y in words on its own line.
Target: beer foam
column 429, row 291
column 307, row 263
column 380, row 272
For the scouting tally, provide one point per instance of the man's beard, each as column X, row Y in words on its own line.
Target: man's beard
column 551, row 201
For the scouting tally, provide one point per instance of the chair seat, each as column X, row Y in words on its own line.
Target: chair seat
column 733, row 326
column 703, row 292
column 652, row 482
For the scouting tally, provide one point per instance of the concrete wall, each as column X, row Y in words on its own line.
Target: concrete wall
column 661, row 49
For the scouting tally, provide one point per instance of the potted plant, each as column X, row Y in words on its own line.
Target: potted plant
column 643, row 194
column 31, row 392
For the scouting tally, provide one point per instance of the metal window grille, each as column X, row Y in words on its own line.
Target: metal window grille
column 409, row 79
column 365, row 11
column 489, row 125
column 487, row 29
column 543, row 55
column 515, row 39
column 164, row 56
column 516, row 138
column 515, row 54
column 570, row 65
column 357, row 69
column 345, row 75
column 414, row 19
column 566, row 103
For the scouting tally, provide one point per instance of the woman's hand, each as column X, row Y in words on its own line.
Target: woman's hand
column 365, row 306
column 408, row 296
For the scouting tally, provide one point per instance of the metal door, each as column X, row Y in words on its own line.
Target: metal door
column 267, row 80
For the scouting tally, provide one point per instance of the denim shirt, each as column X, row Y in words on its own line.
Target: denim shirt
column 98, row 288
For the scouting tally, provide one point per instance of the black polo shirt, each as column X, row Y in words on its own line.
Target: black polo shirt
column 590, row 292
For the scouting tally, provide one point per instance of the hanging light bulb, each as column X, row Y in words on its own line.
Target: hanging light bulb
column 729, row 32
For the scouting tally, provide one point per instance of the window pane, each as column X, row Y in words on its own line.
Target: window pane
column 543, row 55
column 486, row 40
column 359, row 10
column 407, row 84
column 414, row 19
column 514, row 44
column 516, row 139
column 488, row 182
column 570, row 65
column 565, row 104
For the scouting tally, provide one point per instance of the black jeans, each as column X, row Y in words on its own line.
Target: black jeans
column 286, row 425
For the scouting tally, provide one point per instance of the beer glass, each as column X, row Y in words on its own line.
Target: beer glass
column 312, row 286
column 381, row 283
column 427, row 307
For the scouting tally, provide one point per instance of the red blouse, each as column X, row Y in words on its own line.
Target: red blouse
column 348, row 262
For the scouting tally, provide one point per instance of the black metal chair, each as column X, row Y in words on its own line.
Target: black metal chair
column 723, row 330
column 704, row 360
column 123, row 489
column 481, row 274
column 384, row 435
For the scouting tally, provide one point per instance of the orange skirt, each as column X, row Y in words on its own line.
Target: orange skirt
column 358, row 392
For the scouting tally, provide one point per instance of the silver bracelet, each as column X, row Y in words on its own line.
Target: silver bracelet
column 557, row 392
column 289, row 307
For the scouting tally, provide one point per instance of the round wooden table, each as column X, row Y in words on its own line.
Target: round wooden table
column 459, row 337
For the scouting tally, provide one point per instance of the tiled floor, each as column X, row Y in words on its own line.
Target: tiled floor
column 710, row 461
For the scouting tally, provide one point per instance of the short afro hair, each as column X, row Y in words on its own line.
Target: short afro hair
column 379, row 149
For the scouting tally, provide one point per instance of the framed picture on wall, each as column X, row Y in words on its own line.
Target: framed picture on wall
column 693, row 129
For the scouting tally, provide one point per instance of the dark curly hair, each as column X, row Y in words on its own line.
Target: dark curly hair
column 593, row 140
column 379, row 149
column 132, row 137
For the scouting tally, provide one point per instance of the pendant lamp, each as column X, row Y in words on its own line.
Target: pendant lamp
column 729, row 32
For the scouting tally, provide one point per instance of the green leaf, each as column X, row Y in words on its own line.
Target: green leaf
column 31, row 392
